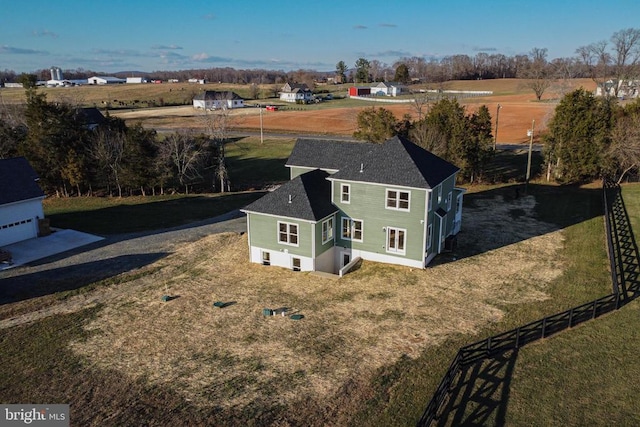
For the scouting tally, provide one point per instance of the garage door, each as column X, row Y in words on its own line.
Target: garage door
column 17, row 232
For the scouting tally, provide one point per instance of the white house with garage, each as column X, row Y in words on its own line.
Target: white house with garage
column 20, row 201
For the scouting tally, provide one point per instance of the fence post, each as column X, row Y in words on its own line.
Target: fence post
column 594, row 310
column 571, row 318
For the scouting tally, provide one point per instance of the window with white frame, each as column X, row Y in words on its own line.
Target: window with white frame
column 288, row 233
column 345, row 193
column 396, row 240
column 398, row 200
column 266, row 258
column 352, row 229
column 327, row 230
column 429, row 236
column 439, row 194
column 449, row 201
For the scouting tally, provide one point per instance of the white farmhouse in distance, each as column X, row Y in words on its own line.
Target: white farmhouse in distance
column 214, row 100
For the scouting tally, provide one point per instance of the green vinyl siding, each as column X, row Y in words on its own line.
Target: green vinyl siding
column 368, row 203
column 264, row 234
column 320, row 248
column 294, row 171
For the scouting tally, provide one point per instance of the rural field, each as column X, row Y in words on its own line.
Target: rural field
column 143, row 103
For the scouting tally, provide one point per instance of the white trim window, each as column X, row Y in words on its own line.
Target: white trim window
column 398, row 200
column 345, row 193
column 288, row 233
column 449, row 201
column 352, row 229
column 396, row 240
column 327, row 230
column 429, row 236
column 439, row 194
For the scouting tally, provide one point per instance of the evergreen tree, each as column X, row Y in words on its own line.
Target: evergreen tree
column 376, row 125
column 402, row 74
column 579, row 136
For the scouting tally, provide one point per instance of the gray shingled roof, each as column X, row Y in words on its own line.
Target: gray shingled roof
column 213, row 95
column 17, row 181
column 308, row 196
column 395, row 162
column 326, row 154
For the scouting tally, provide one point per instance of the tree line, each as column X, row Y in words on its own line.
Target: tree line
column 73, row 158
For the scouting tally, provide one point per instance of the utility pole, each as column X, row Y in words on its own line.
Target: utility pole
column 495, row 138
column 261, row 137
column 533, row 123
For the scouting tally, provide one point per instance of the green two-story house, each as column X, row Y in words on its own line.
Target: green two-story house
column 393, row 202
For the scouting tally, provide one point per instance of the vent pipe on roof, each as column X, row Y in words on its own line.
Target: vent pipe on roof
column 289, row 198
column 361, row 167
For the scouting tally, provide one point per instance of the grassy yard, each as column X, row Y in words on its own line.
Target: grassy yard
column 113, row 215
column 370, row 350
column 584, row 376
column 253, row 164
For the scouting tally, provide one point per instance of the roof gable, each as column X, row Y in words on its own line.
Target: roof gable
column 18, row 181
column 308, row 197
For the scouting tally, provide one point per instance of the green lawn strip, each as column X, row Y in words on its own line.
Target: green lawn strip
column 402, row 391
column 112, row 215
column 254, row 165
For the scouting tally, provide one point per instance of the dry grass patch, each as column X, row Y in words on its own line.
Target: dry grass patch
column 234, row 357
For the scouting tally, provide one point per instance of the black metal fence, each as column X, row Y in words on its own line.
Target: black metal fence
column 623, row 256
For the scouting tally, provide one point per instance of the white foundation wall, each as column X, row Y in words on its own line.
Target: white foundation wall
column 281, row 259
column 326, row 262
column 387, row 259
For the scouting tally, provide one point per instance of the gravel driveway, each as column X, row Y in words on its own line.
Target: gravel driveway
column 113, row 255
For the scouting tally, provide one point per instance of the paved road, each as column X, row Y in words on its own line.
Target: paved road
column 113, row 255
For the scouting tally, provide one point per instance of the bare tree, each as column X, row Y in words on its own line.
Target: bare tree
column 597, row 60
column 626, row 52
column 107, row 148
column 217, row 124
column 429, row 138
column 537, row 73
column 184, row 154
column 625, row 144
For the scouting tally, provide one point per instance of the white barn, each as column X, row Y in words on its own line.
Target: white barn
column 20, row 201
column 104, row 80
column 214, row 100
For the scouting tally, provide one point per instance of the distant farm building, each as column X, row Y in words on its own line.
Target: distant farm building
column 359, row 91
column 387, row 89
column 625, row 88
column 292, row 92
column 214, row 100
column 105, row 80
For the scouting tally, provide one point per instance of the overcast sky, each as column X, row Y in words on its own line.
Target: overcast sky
column 141, row 35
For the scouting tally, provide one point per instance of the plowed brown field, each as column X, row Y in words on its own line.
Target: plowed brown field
column 519, row 108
